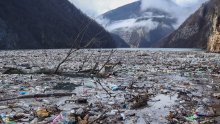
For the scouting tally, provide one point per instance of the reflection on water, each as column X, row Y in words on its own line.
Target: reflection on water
column 159, row 106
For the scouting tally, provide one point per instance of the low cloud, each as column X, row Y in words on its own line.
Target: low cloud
column 133, row 24
column 180, row 9
column 103, row 21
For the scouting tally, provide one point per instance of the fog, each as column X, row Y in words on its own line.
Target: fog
column 131, row 23
column 180, row 9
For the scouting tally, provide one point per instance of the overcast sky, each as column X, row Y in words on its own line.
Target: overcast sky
column 94, row 8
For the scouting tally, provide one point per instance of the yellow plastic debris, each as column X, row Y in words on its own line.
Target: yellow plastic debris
column 42, row 113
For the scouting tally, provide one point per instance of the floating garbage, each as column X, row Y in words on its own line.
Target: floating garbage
column 42, row 112
column 7, row 119
column 57, row 119
column 23, row 93
column 115, row 88
column 160, row 87
column 217, row 95
column 191, row 118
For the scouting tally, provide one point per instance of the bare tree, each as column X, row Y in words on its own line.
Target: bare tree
column 108, row 60
column 72, row 50
column 75, row 46
column 86, row 58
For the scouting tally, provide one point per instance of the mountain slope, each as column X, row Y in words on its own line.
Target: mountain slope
column 200, row 30
column 139, row 28
column 120, row 43
column 33, row 24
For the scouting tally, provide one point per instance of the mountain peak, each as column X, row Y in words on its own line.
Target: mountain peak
column 137, row 27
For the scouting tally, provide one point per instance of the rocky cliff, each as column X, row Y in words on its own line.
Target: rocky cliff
column 200, row 30
column 214, row 38
column 33, row 24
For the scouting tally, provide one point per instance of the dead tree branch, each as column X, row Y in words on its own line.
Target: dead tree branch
column 39, row 96
column 107, row 61
column 71, row 51
column 99, row 82
column 86, row 59
column 72, row 47
column 99, row 118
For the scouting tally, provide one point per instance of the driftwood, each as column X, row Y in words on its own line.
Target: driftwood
column 83, row 120
column 38, row 96
column 14, row 71
column 140, row 101
column 99, row 118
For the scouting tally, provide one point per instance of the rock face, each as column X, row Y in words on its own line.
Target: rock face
column 200, row 30
column 214, row 38
column 139, row 28
column 33, row 24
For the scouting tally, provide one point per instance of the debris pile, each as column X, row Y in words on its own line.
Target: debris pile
column 146, row 87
